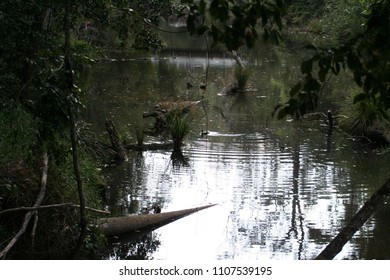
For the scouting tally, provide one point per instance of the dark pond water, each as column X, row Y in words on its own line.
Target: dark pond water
column 283, row 188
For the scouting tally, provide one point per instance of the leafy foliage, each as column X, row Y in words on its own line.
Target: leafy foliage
column 235, row 23
column 137, row 22
column 366, row 55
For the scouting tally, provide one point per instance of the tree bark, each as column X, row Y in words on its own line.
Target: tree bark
column 237, row 58
column 127, row 224
column 357, row 221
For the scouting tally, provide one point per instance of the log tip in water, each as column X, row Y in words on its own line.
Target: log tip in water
column 126, row 224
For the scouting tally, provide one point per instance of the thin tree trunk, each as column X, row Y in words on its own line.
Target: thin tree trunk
column 73, row 135
column 237, row 58
column 357, row 221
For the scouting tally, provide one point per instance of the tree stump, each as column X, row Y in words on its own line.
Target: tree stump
column 116, row 142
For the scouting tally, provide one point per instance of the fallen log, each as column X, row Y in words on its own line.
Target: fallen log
column 128, row 224
column 149, row 146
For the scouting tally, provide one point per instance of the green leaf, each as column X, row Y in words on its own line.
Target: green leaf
column 201, row 29
column 266, row 35
column 307, row 66
column 322, row 74
column 215, row 33
column 360, row 97
column 282, row 113
column 202, row 6
column 311, row 47
column 295, row 89
column 278, row 21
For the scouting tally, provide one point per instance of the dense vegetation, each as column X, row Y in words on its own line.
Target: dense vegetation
column 45, row 45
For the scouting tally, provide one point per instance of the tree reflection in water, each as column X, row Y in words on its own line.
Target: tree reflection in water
column 133, row 248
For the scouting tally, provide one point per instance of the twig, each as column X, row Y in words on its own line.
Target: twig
column 51, row 206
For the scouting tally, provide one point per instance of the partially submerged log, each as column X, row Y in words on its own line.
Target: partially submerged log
column 116, row 142
column 128, row 224
column 149, row 146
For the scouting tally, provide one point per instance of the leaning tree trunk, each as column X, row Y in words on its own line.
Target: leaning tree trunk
column 357, row 221
column 237, row 58
column 115, row 226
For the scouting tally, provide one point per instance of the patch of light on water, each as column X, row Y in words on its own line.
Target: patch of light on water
column 283, row 191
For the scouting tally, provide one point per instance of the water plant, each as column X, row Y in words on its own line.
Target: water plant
column 140, row 135
column 179, row 127
column 364, row 118
column 361, row 116
column 241, row 76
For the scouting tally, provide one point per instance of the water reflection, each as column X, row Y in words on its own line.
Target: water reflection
column 283, row 189
column 140, row 248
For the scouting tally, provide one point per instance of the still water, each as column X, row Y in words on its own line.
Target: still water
column 283, row 188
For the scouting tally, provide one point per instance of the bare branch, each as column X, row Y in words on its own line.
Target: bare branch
column 52, row 206
column 27, row 218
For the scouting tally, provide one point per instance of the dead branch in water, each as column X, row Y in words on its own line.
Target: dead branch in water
column 149, row 146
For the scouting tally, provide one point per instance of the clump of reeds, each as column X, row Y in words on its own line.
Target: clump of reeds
column 241, row 75
column 139, row 135
column 360, row 117
column 179, row 127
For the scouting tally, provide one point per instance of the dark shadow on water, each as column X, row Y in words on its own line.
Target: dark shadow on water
column 138, row 245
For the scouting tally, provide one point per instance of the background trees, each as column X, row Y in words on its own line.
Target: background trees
column 39, row 101
column 364, row 51
column 44, row 44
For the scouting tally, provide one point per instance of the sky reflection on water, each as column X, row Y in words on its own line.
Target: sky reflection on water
column 283, row 189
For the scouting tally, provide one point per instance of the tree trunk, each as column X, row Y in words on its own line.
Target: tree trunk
column 357, row 221
column 73, row 134
column 237, row 58
column 128, row 224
